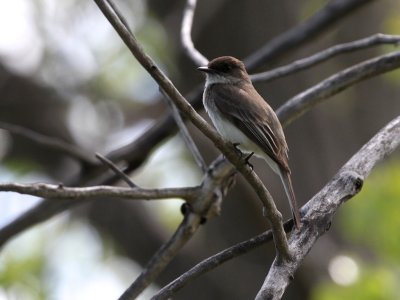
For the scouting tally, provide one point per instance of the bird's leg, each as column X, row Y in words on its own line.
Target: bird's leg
column 246, row 160
column 238, row 151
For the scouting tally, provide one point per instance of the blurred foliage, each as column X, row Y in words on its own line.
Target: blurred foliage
column 376, row 283
column 20, row 167
column 391, row 25
column 122, row 77
column 22, row 277
column 372, row 220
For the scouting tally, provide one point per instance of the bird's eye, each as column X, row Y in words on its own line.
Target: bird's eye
column 226, row 67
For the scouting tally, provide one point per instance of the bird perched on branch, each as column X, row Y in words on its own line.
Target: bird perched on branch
column 244, row 118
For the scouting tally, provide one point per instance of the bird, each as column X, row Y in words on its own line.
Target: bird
column 242, row 116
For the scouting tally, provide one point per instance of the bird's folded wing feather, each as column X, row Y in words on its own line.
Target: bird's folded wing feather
column 254, row 117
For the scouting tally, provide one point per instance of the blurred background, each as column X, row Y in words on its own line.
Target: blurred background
column 65, row 73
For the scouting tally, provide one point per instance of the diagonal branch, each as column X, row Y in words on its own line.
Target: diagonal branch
column 116, row 170
column 119, row 14
column 304, row 63
column 50, row 142
column 303, row 102
column 164, row 255
column 186, row 135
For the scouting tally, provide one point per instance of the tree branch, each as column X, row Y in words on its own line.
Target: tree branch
column 164, row 255
column 186, row 38
column 186, row 135
column 119, row 14
column 51, row 143
column 301, row 103
column 53, row 191
column 304, row 63
column 116, row 170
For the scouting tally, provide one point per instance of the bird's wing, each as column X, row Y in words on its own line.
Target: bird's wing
column 255, row 118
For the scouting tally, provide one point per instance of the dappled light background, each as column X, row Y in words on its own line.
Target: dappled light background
column 65, row 73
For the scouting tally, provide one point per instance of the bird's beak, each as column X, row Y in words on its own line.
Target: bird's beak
column 205, row 69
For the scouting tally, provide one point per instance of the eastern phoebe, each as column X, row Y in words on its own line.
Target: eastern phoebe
column 245, row 119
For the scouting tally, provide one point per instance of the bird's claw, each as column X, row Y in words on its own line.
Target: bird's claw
column 238, row 151
column 246, row 160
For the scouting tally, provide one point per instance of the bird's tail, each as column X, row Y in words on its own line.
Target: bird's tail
column 287, row 184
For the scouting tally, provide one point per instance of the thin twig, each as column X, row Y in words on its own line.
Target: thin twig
column 301, row 103
column 54, row 191
column 304, row 63
column 116, row 170
column 226, row 148
column 50, row 142
column 198, row 158
column 120, row 15
column 292, row 39
column 186, row 37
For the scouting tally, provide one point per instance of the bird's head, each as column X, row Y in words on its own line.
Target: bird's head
column 225, row 69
